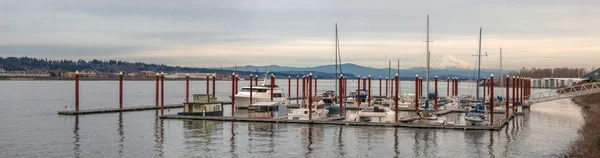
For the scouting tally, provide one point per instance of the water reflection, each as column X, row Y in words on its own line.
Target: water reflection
column 340, row 142
column 76, row 136
column 425, row 143
column 260, row 131
column 396, row 151
column 491, row 145
column 232, row 140
column 159, row 134
column 121, row 137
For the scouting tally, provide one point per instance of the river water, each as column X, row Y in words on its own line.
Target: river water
column 31, row 127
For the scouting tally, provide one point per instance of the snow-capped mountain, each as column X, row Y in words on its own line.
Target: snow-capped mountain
column 449, row 61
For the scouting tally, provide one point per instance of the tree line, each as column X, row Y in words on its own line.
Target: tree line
column 563, row 72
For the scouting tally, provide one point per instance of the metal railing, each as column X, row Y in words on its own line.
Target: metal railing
column 567, row 92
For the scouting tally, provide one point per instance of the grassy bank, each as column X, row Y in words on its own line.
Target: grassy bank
column 588, row 143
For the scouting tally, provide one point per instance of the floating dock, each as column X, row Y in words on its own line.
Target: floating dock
column 113, row 110
column 333, row 121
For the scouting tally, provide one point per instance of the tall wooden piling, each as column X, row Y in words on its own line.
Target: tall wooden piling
column 396, row 99
column 364, row 83
column 477, row 88
column 358, row 92
column 416, row 93
column 251, row 78
column 517, row 89
column 456, row 89
column 514, row 103
column 157, row 87
column 448, row 87
column 386, row 87
column 77, row 91
column 522, row 88
column 315, row 86
column 289, row 87
column 297, row 87
column 207, row 87
column 507, row 113
column 310, row 96
column 491, row 89
column 256, row 80
column 304, row 89
column 340, row 96
column 379, row 86
column 435, row 104
column 369, row 92
column 187, row 88
column 271, row 86
column 120, row 90
column 162, row 93
column 233, row 78
column 484, row 86
column 214, row 92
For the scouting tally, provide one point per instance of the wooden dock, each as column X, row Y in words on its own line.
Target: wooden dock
column 333, row 122
column 113, row 110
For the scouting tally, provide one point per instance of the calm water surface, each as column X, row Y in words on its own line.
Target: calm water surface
column 30, row 127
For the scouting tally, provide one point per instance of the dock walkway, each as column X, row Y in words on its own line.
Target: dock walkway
column 331, row 122
column 112, row 110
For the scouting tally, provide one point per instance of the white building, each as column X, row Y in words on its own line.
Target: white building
column 554, row 82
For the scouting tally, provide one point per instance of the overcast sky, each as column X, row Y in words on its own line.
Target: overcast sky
column 532, row 33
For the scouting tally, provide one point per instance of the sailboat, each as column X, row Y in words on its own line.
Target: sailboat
column 335, row 106
column 476, row 113
column 428, row 112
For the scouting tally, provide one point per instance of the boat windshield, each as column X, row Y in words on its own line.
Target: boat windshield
column 253, row 90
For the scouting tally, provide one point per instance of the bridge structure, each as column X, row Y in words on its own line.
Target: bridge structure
column 562, row 93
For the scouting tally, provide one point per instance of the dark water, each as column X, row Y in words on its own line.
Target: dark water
column 30, row 127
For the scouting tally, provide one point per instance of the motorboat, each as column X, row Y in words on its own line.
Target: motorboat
column 384, row 114
column 302, row 114
column 476, row 114
column 259, row 93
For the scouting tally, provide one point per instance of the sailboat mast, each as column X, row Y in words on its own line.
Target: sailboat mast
column 336, row 59
column 399, row 87
column 501, row 70
column 428, row 55
column 479, row 62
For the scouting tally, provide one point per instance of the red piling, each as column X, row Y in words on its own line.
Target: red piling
column 207, row 88
column 513, row 94
column 396, row 100
column 251, row 78
column 379, row 86
column 477, row 89
column 214, row 92
column 315, row 85
column 187, row 88
column 506, row 98
column 358, row 92
column 386, row 87
column 76, row 90
column 416, row 93
column 237, row 82
column 303, row 88
column 435, row 106
column 289, row 87
column 162, row 93
column 448, row 87
column 491, row 89
column 157, row 87
column 121, row 90
column 271, row 86
column 340, row 96
column 256, row 80
column 369, row 90
column 297, row 87
column 484, row 86
column 233, row 94
column 522, row 83
column 456, row 89
column 364, row 83
column 310, row 97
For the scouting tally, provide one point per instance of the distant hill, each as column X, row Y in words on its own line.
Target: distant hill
column 356, row 70
column 114, row 66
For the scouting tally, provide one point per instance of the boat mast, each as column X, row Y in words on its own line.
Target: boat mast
column 336, row 58
column 428, row 55
column 389, row 71
column 479, row 61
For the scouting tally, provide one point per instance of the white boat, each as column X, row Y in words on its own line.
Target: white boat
column 302, row 114
column 368, row 113
column 259, row 93
column 475, row 115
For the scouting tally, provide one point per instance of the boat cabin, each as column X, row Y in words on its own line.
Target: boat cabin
column 266, row 110
column 201, row 107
